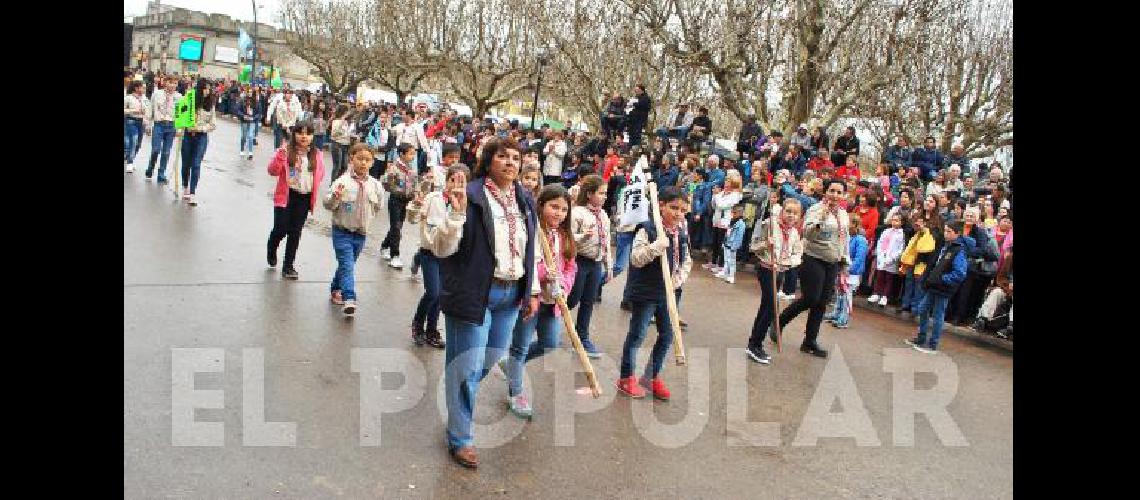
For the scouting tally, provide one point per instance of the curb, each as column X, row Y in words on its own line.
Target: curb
column 958, row 331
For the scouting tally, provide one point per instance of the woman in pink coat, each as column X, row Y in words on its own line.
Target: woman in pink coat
column 299, row 168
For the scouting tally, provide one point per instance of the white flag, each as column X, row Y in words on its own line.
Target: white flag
column 635, row 197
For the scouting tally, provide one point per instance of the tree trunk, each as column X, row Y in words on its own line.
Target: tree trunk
column 807, row 78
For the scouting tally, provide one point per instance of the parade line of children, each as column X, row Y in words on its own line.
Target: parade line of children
column 483, row 269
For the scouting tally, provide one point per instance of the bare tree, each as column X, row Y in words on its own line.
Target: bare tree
column 489, row 54
column 331, row 36
column 958, row 84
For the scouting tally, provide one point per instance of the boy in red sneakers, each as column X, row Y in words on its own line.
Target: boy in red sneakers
column 646, row 292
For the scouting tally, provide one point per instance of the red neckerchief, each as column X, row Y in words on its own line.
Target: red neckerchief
column 784, row 249
column 506, row 200
column 602, row 237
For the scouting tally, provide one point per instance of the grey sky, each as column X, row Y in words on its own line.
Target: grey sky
column 237, row 9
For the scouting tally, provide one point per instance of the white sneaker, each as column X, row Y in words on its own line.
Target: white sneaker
column 720, row 275
column 872, row 299
column 386, row 254
column 883, row 301
column 349, row 307
column 130, row 168
column 923, row 350
column 191, row 201
column 730, row 280
column 396, row 263
column 241, row 154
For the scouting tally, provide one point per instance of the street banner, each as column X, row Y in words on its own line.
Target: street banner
column 246, row 71
column 184, row 115
column 635, row 209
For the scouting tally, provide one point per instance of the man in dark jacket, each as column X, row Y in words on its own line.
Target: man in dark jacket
column 846, row 144
column 637, row 114
column 957, row 156
column 898, row 155
column 940, row 283
column 750, row 131
column 928, row 159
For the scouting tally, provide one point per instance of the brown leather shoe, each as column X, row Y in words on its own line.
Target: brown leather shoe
column 466, row 457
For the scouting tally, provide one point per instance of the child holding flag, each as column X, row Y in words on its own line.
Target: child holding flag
column 647, row 292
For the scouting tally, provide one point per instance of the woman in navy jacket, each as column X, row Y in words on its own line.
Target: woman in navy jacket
column 487, row 265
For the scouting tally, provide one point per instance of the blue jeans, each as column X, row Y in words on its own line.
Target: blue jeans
column 729, row 262
column 933, row 306
column 524, row 347
column 908, row 290
column 585, row 293
column 842, row 312
column 161, row 139
column 472, row 350
column 279, row 133
column 638, row 325
column 681, row 132
column 428, row 309
column 621, row 251
column 248, row 132
column 193, row 150
column 347, row 246
column 130, row 138
column 917, row 292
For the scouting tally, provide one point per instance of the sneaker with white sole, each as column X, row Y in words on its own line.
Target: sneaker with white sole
column 758, row 355
column 520, row 406
column 883, row 301
column 386, row 254
column 872, row 299
column 130, row 168
column 192, row 201
column 396, row 263
column 730, row 279
column 924, row 350
column 349, row 307
column 720, row 276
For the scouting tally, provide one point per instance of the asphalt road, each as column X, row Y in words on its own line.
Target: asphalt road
column 196, row 283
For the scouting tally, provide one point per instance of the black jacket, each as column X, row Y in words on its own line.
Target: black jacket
column 646, row 283
column 466, row 274
column 640, row 112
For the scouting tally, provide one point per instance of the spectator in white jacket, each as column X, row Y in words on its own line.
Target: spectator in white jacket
column 555, row 157
column 287, row 112
column 409, row 131
column 678, row 124
column 888, row 252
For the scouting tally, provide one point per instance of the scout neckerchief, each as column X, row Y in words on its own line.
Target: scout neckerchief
column 510, row 208
column 602, row 237
column 361, row 199
column 675, row 236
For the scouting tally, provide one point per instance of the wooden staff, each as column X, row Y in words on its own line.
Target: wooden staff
column 670, row 294
column 570, row 331
column 775, row 264
column 177, row 157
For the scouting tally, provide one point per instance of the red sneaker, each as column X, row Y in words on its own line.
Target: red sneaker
column 629, row 387
column 658, row 386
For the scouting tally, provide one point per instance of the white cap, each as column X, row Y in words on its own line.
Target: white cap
column 803, row 126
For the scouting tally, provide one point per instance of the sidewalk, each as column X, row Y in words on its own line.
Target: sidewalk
column 964, row 332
